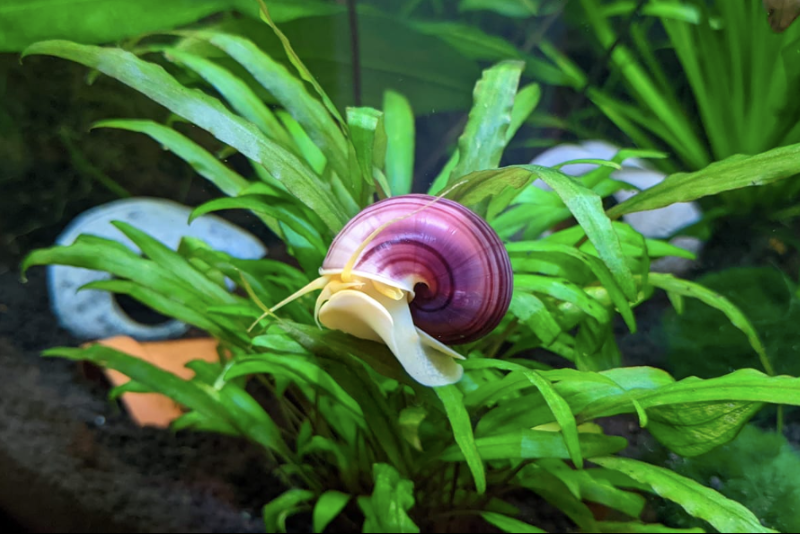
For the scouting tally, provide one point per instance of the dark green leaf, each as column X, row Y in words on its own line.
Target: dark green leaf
column 535, row 444
column 290, row 93
column 695, row 428
column 725, row 515
column 276, row 512
column 386, row 509
column 330, row 504
column 676, row 286
column 206, row 165
column 509, row 524
column 481, row 145
column 399, row 124
column 453, row 402
column 241, row 98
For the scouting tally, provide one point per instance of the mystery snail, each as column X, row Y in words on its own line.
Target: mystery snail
column 415, row 272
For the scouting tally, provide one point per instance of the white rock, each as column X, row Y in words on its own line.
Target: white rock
column 93, row 314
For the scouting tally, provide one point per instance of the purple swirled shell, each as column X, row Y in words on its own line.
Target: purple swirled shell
column 449, row 256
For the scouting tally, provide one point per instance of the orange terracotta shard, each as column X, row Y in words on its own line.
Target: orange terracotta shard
column 154, row 409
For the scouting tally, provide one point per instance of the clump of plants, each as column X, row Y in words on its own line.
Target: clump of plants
column 371, row 416
column 759, row 469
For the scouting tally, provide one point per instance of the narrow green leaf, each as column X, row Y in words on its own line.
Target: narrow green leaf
column 399, row 124
column 507, row 8
column 618, row 527
column 453, row 402
column 509, row 524
column 530, row 310
column 481, row 145
column 206, row 165
column 364, row 124
column 410, row 420
column 299, row 370
column 676, row 286
column 732, row 173
column 176, row 265
column 525, row 103
column 276, row 512
column 298, row 64
column 207, row 113
column 312, row 154
column 238, row 94
column 330, row 504
column 386, row 509
column 535, row 444
column 724, row 514
column 290, row 92
column 564, row 290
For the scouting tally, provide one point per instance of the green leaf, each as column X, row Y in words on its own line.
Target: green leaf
column 305, row 74
column 276, row 512
column 530, row 310
column 176, row 265
column 206, row 165
column 209, row 114
column 410, row 420
column 524, row 103
column 744, row 385
column 695, row 428
column 23, row 22
column 312, row 154
column 507, row 8
column 564, row 290
column 453, row 402
column 584, row 204
column 290, row 92
column 276, row 208
column 399, row 124
column 535, row 444
column 241, row 98
column 509, row 524
column 386, row 509
column 724, row 514
column 677, row 286
column 366, row 127
column 330, row 504
column 297, row 369
column 586, row 488
column 732, row 173
column 481, row 145
column 612, row 527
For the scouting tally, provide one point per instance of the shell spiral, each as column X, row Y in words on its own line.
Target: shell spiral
column 449, row 257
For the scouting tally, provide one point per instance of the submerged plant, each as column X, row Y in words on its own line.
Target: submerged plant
column 354, row 419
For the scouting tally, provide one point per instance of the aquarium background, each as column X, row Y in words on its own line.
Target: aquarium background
column 699, row 80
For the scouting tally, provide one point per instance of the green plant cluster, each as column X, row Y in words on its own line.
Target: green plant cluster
column 351, row 434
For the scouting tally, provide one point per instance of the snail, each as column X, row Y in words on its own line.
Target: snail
column 416, row 273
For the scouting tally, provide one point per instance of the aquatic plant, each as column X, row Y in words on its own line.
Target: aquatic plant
column 734, row 93
column 349, row 431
